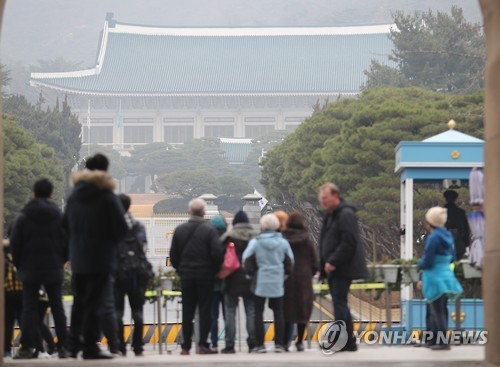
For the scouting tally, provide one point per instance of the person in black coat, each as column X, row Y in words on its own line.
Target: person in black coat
column 39, row 251
column 196, row 254
column 95, row 222
column 341, row 253
column 238, row 285
column 130, row 284
column 457, row 224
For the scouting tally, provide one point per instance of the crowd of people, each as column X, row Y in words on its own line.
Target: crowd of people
column 91, row 233
column 269, row 264
column 277, row 264
column 217, row 264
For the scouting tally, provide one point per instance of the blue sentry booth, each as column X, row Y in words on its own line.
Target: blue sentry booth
column 447, row 156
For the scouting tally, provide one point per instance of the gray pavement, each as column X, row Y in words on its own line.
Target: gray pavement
column 372, row 355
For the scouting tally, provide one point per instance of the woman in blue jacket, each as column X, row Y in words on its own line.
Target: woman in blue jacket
column 268, row 258
column 438, row 280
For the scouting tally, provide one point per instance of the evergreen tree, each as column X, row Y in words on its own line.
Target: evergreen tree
column 438, row 51
column 352, row 143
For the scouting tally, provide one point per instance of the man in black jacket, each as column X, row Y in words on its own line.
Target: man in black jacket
column 39, row 251
column 95, row 221
column 341, row 252
column 196, row 253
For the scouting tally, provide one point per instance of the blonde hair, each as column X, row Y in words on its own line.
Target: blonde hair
column 282, row 217
column 331, row 186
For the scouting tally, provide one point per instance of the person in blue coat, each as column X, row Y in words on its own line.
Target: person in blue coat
column 438, row 280
column 268, row 259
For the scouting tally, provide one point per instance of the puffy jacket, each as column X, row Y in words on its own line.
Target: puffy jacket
column 270, row 253
column 95, row 223
column 340, row 244
column 439, row 242
column 39, row 246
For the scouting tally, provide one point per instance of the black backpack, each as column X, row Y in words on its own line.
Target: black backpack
column 133, row 268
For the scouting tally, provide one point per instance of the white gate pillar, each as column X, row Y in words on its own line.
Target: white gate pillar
column 407, row 225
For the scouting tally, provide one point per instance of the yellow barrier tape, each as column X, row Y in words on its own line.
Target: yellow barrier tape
column 164, row 293
column 354, row 286
column 147, row 294
column 316, row 287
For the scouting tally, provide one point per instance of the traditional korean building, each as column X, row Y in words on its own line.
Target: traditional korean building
column 161, row 84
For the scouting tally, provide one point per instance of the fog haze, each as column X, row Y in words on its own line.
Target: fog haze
column 46, row 30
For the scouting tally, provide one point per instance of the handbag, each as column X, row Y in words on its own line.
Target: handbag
column 231, row 262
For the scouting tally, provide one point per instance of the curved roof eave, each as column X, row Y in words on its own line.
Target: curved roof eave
column 189, row 94
column 249, row 31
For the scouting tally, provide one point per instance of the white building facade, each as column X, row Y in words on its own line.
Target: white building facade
column 159, row 84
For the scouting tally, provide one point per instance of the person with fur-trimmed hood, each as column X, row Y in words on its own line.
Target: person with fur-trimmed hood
column 95, row 222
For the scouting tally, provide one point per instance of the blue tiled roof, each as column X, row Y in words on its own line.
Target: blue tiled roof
column 145, row 64
column 236, row 152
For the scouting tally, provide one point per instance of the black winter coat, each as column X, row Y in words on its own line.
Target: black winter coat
column 340, row 244
column 196, row 251
column 95, row 223
column 39, row 245
column 458, row 225
column 238, row 284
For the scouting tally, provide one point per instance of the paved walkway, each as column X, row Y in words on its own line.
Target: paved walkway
column 373, row 355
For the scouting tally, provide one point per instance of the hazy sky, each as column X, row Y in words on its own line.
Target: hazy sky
column 48, row 29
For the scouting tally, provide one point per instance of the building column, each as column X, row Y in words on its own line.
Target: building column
column 491, row 270
column 280, row 123
column 239, row 125
column 118, row 134
column 198, row 125
column 158, row 127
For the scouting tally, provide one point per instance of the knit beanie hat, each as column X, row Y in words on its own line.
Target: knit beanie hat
column 240, row 217
column 218, row 222
column 437, row 216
